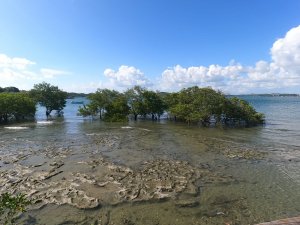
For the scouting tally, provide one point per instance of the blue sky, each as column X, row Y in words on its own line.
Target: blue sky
column 81, row 45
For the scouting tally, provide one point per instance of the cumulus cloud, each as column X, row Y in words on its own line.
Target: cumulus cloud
column 16, row 63
column 231, row 78
column 213, row 75
column 22, row 72
column 286, row 51
column 14, row 69
column 281, row 72
column 126, row 77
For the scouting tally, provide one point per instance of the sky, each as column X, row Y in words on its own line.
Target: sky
column 238, row 47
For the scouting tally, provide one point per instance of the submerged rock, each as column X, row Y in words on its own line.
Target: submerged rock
column 158, row 179
column 187, row 203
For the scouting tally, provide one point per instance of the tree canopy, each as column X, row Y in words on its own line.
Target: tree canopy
column 9, row 89
column 154, row 104
column 99, row 101
column 196, row 104
column 135, row 101
column 16, row 106
column 240, row 110
column 115, row 106
column 191, row 105
column 49, row 96
column 206, row 106
column 117, row 110
column 144, row 102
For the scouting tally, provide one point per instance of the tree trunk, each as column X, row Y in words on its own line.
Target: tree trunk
column 5, row 117
column 135, row 117
column 48, row 111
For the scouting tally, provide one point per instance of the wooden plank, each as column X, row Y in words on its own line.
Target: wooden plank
column 287, row 221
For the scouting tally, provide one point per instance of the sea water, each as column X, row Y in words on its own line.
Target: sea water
column 262, row 188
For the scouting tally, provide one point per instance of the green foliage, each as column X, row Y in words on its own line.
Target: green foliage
column 154, row 104
column 102, row 99
column 108, row 103
column 87, row 110
column 135, row 101
column 16, row 106
column 171, row 99
column 144, row 102
column 10, row 206
column 115, row 106
column 240, row 110
column 194, row 105
column 191, row 105
column 117, row 110
column 9, row 89
column 49, row 96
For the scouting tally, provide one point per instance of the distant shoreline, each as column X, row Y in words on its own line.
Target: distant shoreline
column 270, row 95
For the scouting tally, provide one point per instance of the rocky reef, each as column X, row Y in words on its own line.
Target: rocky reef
column 85, row 175
column 103, row 183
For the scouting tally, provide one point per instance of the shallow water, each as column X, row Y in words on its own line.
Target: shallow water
column 247, row 175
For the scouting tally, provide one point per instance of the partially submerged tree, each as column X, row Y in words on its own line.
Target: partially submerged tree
column 237, row 110
column 117, row 110
column 143, row 102
column 16, row 106
column 101, row 99
column 191, row 105
column 49, row 96
column 154, row 104
column 204, row 105
column 196, row 105
column 171, row 100
column 135, row 100
column 105, row 103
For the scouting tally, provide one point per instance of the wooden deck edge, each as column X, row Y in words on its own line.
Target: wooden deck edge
column 287, row 221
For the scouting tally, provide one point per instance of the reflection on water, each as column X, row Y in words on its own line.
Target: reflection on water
column 247, row 175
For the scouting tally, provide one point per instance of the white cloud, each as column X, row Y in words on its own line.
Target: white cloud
column 14, row 71
column 286, row 51
column 16, row 63
column 283, row 71
column 214, row 75
column 126, row 77
column 21, row 72
column 50, row 73
column 280, row 73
